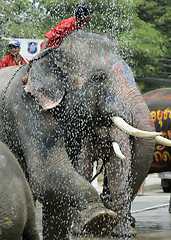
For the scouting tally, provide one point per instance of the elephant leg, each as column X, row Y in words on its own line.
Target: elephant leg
column 117, row 172
column 94, row 220
column 30, row 230
column 107, row 200
column 119, row 200
column 117, row 192
column 61, row 200
column 59, row 217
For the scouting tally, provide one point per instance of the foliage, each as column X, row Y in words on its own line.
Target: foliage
column 149, row 47
column 156, row 12
column 25, row 23
column 140, row 27
column 153, row 27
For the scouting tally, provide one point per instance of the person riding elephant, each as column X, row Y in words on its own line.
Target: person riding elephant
column 71, row 111
column 17, row 211
column 53, row 38
column 82, row 16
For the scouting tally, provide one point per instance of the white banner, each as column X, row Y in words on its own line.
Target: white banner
column 29, row 47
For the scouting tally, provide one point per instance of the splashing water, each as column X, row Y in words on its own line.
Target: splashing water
column 111, row 17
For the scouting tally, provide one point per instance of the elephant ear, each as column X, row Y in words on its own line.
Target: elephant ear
column 46, row 81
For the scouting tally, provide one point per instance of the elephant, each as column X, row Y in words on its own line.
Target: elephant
column 159, row 103
column 74, row 108
column 70, row 203
column 109, row 89
column 17, row 210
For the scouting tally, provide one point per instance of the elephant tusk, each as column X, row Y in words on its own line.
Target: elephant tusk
column 163, row 141
column 120, row 123
column 118, row 151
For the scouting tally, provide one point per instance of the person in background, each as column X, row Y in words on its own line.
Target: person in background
column 141, row 193
column 14, row 58
column 56, row 35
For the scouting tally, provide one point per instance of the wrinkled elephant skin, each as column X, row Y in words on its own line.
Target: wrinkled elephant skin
column 64, row 114
column 17, row 211
column 37, row 140
column 106, row 89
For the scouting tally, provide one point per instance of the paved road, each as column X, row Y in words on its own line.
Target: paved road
column 153, row 220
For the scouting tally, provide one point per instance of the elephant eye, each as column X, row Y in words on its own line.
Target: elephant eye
column 99, row 76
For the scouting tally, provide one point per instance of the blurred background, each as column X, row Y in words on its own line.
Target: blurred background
column 141, row 28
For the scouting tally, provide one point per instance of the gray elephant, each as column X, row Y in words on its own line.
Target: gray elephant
column 71, row 111
column 70, row 203
column 17, row 211
column 103, row 92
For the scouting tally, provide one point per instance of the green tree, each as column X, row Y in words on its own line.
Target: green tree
column 154, row 55
column 20, row 18
column 157, row 12
column 140, row 27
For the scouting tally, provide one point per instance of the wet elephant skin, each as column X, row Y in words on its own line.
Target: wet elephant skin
column 63, row 116
column 17, row 210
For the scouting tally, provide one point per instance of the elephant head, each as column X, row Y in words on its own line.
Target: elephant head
column 92, row 91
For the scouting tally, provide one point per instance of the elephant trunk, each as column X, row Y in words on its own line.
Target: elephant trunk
column 141, row 137
column 142, row 148
column 125, row 175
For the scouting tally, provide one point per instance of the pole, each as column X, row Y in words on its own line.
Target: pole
column 0, row 39
column 94, row 182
